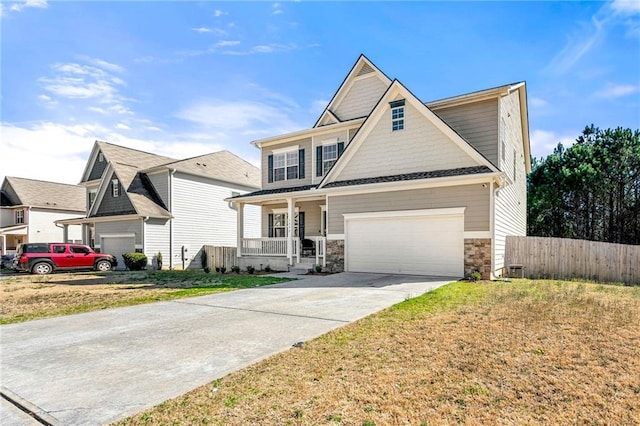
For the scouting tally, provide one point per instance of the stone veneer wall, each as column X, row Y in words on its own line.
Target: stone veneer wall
column 477, row 257
column 335, row 255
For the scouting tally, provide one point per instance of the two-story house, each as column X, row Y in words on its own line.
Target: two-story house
column 384, row 182
column 29, row 209
column 139, row 201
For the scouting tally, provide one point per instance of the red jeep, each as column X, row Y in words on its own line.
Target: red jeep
column 44, row 258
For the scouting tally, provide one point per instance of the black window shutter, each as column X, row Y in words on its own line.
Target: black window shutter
column 340, row 148
column 319, row 161
column 301, row 225
column 270, row 167
column 301, row 164
column 270, row 225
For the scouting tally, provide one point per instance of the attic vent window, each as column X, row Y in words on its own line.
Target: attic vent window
column 115, row 188
column 397, row 115
column 101, row 157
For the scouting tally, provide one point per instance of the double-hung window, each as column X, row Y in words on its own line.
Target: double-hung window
column 327, row 153
column 285, row 166
column 397, row 115
column 19, row 217
column 329, row 157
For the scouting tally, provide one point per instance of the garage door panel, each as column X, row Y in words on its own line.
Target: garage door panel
column 431, row 245
column 117, row 246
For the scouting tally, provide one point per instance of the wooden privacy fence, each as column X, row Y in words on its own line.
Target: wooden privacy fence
column 565, row 258
column 220, row 257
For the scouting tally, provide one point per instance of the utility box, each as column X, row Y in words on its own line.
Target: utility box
column 515, row 271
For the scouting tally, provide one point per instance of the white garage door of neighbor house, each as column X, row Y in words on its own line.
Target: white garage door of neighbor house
column 425, row 242
column 117, row 246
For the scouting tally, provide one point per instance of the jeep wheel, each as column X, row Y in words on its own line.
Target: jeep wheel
column 103, row 266
column 42, row 268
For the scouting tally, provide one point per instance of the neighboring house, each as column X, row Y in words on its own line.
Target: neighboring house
column 29, row 209
column 384, row 182
column 138, row 201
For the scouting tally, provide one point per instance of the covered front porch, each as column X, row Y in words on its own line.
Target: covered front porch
column 292, row 236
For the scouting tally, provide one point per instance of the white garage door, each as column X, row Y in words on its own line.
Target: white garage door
column 117, row 246
column 423, row 242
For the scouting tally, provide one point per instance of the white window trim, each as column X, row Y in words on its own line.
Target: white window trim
column 285, row 212
column 115, row 188
column 285, row 152
column 398, row 119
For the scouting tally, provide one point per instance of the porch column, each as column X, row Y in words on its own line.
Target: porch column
column 291, row 212
column 240, row 228
column 65, row 233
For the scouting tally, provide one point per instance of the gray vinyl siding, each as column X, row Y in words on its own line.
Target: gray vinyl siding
column 419, row 147
column 477, row 123
column 113, row 206
column 362, row 96
column 98, row 168
column 474, row 197
column 510, row 200
column 160, row 182
column 120, row 227
column 308, row 169
column 202, row 216
column 312, row 217
column 157, row 237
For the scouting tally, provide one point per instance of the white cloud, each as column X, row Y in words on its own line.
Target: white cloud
column 611, row 91
column 77, row 81
column 543, row 142
column 58, row 152
column 218, row 13
column 201, row 30
column 578, row 45
column 626, row 7
column 18, row 7
column 225, row 43
column 106, row 65
column 538, row 102
column 122, row 126
column 276, row 9
column 239, row 121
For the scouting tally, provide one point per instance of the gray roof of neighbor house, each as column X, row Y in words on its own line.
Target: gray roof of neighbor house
column 43, row 194
column 130, row 166
column 222, row 165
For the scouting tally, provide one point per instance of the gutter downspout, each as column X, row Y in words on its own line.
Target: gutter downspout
column 171, row 173
column 65, row 231
column 144, row 237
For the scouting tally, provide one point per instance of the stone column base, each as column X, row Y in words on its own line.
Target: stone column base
column 477, row 257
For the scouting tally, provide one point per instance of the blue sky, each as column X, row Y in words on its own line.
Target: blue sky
column 189, row 78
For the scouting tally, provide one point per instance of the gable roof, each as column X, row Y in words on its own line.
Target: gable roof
column 395, row 90
column 44, row 194
column 222, row 165
column 361, row 67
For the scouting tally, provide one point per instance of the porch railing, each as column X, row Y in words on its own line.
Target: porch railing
column 278, row 247
column 264, row 246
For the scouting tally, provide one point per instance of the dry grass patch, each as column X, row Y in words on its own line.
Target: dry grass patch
column 529, row 352
column 27, row 297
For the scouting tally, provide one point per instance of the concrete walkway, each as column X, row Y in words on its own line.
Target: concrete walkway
column 102, row 366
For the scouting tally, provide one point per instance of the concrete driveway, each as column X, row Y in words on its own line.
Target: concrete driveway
column 99, row 367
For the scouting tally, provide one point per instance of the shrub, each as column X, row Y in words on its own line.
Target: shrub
column 207, row 269
column 235, row 269
column 318, row 268
column 218, row 269
column 475, row 276
column 159, row 260
column 267, row 268
column 135, row 261
column 223, row 269
column 250, row 269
